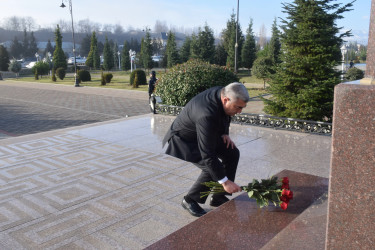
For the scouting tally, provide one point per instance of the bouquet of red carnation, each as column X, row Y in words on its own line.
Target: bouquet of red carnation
column 264, row 192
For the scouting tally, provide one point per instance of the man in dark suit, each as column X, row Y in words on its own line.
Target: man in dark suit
column 200, row 134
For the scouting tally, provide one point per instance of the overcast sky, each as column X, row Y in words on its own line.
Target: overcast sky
column 178, row 13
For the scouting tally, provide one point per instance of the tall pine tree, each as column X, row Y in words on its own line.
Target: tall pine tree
column 107, row 56
column 93, row 58
column 49, row 48
column 59, row 58
column 303, row 84
column 171, row 50
column 33, row 47
column 185, row 50
column 229, row 41
column 125, row 57
column 203, row 45
column 146, row 51
column 4, row 59
column 248, row 53
column 16, row 48
column 26, row 45
column 274, row 45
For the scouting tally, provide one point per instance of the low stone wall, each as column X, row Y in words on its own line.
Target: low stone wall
column 7, row 74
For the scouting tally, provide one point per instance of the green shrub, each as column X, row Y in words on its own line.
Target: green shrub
column 84, row 75
column 15, row 66
column 135, row 82
column 61, row 73
column 182, row 82
column 40, row 68
column 108, row 77
column 54, row 75
column 354, row 74
column 103, row 79
column 141, row 77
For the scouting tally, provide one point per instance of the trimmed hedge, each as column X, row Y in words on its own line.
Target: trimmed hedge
column 84, row 75
column 184, row 81
column 61, row 73
column 141, row 78
column 354, row 74
column 108, row 77
column 40, row 68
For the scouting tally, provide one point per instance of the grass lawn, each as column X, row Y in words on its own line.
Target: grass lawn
column 121, row 80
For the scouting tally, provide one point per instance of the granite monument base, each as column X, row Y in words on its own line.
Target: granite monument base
column 240, row 224
column 351, row 217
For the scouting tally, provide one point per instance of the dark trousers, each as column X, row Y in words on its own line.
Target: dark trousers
column 229, row 157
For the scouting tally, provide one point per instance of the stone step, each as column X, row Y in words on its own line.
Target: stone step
column 240, row 224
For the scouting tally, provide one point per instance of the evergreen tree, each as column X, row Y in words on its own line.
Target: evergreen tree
column 157, row 46
column 203, row 45
column 125, row 58
column 59, row 58
column 220, row 55
column 229, row 41
column 116, row 56
column 107, row 56
column 4, row 59
column 93, row 58
column 274, row 45
column 15, row 66
column 135, row 45
column 49, row 48
column 140, row 56
column 33, row 47
column 263, row 68
column 185, row 50
column 303, row 84
column 16, row 48
column 146, row 51
column 248, row 53
column 171, row 50
column 25, row 46
column 85, row 46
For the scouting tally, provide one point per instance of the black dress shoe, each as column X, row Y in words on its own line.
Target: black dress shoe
column 193, row 208
column 216, row 201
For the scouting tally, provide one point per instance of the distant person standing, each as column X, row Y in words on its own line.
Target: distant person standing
column 351, row 64
column 151, row 83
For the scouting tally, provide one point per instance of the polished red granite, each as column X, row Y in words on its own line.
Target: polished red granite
column 240, row 224
column 351, row 203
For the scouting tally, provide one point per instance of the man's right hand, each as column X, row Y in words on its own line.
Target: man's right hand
column 231, row 187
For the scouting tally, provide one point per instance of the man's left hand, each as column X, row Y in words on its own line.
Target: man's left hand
column 227, row 140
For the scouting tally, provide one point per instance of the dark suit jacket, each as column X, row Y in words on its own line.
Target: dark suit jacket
column 194, row 134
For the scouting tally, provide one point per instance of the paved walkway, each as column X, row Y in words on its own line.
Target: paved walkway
column 27, row 108
column 108, row 184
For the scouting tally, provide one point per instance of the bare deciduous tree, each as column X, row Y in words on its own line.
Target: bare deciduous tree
column 160, row 26
column 262, row 36
column 118, row 29
column 12, row 23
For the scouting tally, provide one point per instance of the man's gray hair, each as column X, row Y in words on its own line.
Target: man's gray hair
column 235, row 91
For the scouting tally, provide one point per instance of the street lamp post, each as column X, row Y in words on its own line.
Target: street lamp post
column 132, row 56
column 37, row 56
column 74, row 43
column 236, row 45
column 119, row 60
column 343, row 52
